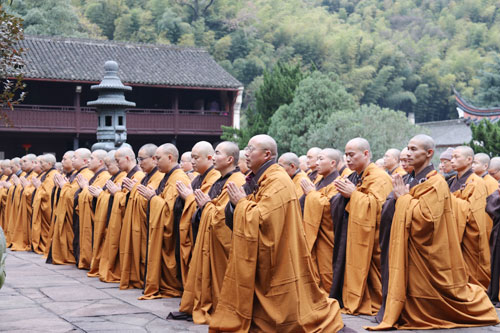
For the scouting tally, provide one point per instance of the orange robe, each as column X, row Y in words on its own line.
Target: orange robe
column 163, row 270
column 12, row 207
column 210, row 254
column 318, row 226
column 398, row 170
column 62, row 239
column 491, row 186
column 134, row 233
column 3, row 202
column 428, row 281
column 109, row 265
column 42, row 212
column 356, row 268
column 21, row 233
column 297, row 179
column 86, row 218
column 269, row 284
column 203, row 182
column 469, row 207
column 345, row 172
column 102, row 205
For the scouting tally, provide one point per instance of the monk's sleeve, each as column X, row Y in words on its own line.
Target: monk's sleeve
column 316, row 202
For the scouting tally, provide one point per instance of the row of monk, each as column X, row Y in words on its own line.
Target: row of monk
column 274, row 248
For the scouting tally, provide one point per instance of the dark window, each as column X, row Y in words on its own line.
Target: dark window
column 109, row 121
column 120, row 120
column 98, row 121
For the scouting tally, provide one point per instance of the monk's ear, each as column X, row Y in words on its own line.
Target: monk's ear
column 430, row 152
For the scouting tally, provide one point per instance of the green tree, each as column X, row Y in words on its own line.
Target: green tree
column 316, row 98
column 485, row 138
column 489, row 89
column 104, row 13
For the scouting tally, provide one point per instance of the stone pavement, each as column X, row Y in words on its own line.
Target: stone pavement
column 39, row 297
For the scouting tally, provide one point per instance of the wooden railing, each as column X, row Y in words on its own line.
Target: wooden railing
column 70, row 119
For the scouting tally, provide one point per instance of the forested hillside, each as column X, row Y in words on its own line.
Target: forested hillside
column 403, row 55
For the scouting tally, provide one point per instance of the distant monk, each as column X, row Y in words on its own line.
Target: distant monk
column 318, row 224
column 290, row 162
column 303, row 163
column 84, row 215
column 269, row 283
column 493, row 210
column 42, row 204
column 445, row 164
column 134, row 231
column 163, row 276
column 356, row 212
column 391, row 162
column 480, row 166
column 61, row 249
column 187, row 166
column 102, row 204
column 312, row 157
column 109, row 265
column 494, row 168
column 242, row 163
column 380, row 163
column 403, row 161
column 4, row 186
column 469, row 204
column 342, row 168
column 213, row 243
column 428, row 282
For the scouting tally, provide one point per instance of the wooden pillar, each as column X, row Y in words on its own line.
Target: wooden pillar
column 176, row 112
column 76, row 104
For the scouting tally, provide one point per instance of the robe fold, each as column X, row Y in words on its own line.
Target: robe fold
column 356, row 265
column 318, row 227
column 345, row 172
column 12, row 208
column 397, row 170
column 102, row 209
column 42, row 211
column 269, row 283
column 163, row 276
column 297, row 179
column 428, row 281
column 492, row 187
column 186, row 238
column 3, row 202
column 109, row 265
column 61, row 249
column 134, row 233
column 86, row 218
column 469, row 207
column 210, row 254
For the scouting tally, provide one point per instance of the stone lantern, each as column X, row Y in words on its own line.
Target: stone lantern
column 111, row 108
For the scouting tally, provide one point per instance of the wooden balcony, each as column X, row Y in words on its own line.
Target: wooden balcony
column 71, row 119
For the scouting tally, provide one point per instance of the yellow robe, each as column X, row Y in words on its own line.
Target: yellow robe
column 12, row 208
column 3, row 201
column 210, row 255
column 297, row 179
column 469, row 207
column 491, row 186
column 109, row 265
column 133, row 236
column 103, row 205
column 163, row 276
column 62, row 239
column 345, row 171
column 398, row 170
column 42, row 212
column 86, row 219
column 203, row 182
column 428, row 281
column 269, row 284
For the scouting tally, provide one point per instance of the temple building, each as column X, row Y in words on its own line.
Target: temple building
column 181, row 94
column 470, row 112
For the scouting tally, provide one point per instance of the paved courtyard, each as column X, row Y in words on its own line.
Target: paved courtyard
column 47, row 298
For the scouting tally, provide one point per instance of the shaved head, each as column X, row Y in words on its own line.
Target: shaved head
column 314, row 151
column 203, row 148
column 465, row 151
column 50, row 159
column 394, row 153
column 6, row 163
column 267, row 143
column 482, row 158
column 230, row 149
column 125, row 151
column 149, row 149
column 100, row 154
column 290, row 158
column 110, row 156
column 480, row 164
column 30, row 157
column 168, row 148
column 261, row 149
column 495, row 163
column 360, row 144
column 332, row 154
column 426, row 141
column 16, row 161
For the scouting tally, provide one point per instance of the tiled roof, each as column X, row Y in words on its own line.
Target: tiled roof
column 150, row 64
column 449, row 133
column 470, row 111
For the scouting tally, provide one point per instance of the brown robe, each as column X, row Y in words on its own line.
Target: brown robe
column 428, row 281
column 134, row 233
column 86, row 218
column 356, row 266
column 318, row 226
column 469, row 208
column 102, row 208
column 61, row 252
column 109, row 265
column 493, row 210
column 203, row 182
column 297, row 179
column 210, row 253
column 163, row 270
column 42, row 212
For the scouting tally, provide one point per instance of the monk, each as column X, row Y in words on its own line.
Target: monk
column 391, row 162
column 403, row 161
column 428, row 281
column 242, row 163
column 102, row 203
column 493, row 210
column 6, row 175
column 134, row 231
column 494, row 168
column 187, row 166
column 445, row 164
column 269, row 268
column 342, row 168
column 211, row 250
column 312, row 157
column 469, row 203
column 109, row 265
column 202, row 156
column 380, row 163
column 42, row 209
column 303, row 163
column 84, row 215
column 356, row 213
column 163, row 276
column 318, row 224
column 480, row 166
column 290, row 162
column 61, row 249
column 11, row 187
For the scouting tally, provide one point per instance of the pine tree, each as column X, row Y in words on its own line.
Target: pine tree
column 486, row 138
